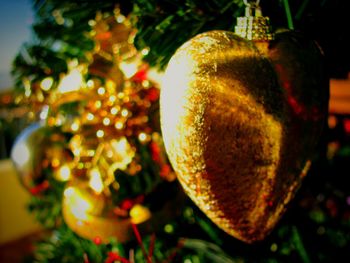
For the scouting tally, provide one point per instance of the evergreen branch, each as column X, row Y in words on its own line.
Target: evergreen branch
column 210, row 251
column 36, row 62
column 47, row 206
column 65, row 246
column 288, row 14
column 301, row 9
column 299, row 245
column 165, row 26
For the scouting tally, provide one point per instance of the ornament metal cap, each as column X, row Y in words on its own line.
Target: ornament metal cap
column 253, row 26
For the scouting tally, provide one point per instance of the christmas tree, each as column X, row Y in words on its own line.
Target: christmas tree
column 92, row 153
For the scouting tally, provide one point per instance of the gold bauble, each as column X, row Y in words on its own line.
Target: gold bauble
column 92, row 216
column 240, row 121
column 27, row 153
column 82, row 211
column 37, row 148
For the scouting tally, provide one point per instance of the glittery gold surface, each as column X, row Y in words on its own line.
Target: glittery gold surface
column 82, row 212
column 253, row 28
column 33, row 152
column 92, row 215
column 238, row 127
column 253, row 25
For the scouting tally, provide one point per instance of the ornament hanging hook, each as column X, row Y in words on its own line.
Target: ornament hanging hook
column 252, row 8
column 251, row 3
column 253, row 26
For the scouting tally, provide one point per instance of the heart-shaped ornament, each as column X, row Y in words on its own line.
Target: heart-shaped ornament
column 240, row 121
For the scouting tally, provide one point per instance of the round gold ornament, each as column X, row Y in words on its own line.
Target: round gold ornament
column 93, row 216
column 82, row 211
column 27, row 156
column 240, row 122
column 38, row 148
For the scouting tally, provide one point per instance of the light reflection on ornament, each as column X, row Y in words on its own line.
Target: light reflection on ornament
column 59, row 121
column 76, row 151
column 75, row 144
column 20, row 154
column 123, row 153
column 95, row 181
column 100, row 133
column 63, row 174
column 75, row 126
column 120, row 18
column 112, row 98
column 124, row 112
column 73, row 81
column 139, row 214
column 109, row 154
column 46, row 83
column 129, row 69
column 90, row 117
column 44, row 112
column 119, row 125
column 101, row 90
column 80, row 207
column 145, row 51
column 27, row 93
column 106, row 121
column 92, row 22
column 83, row 212
column 90, row 83
column 37, row 149
column 114, row 110
column 142, row 137
column 27, row 87
column 68, row 192
column 145, row 83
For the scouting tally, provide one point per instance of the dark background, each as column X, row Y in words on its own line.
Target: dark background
column 326, row 21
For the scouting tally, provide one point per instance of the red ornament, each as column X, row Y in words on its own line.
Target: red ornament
column 114, row 256
column 153, row 94
column 141, row 74
column 40, row 188
column 97, row 240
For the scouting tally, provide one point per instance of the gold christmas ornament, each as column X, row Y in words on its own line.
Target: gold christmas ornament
column 102, row 138
column 240, row 121
column 27, row 156
column 37, row 148
column 93, row 216
column 83, row 210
